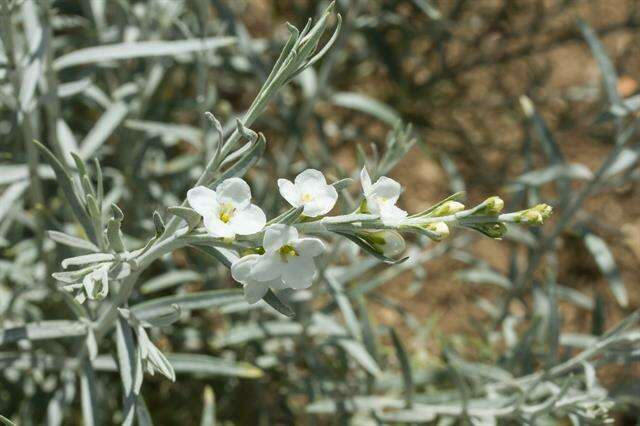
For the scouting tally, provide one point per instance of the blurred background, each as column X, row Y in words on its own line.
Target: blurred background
column 525, row 99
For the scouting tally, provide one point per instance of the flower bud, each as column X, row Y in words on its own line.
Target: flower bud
column 439, row 230
column 530, row 217
column 535, row 215
column 492, row 229
column 389, row 243
column 493, row 205
column 544, row 209
column 448, row 208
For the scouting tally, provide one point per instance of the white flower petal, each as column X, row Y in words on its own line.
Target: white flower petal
column 217, row 228
column 386, row 189
column 268, row 267
column 289, row 192
column 365, row 180
column 203, row 200
column 299, row 272
column 323, row 202
column 309, row 247
column 248, row 221
column 278, row 235
column 241, row 268
column 255, row 291
column 234, row 191
column 392, row 215
column 310, row 180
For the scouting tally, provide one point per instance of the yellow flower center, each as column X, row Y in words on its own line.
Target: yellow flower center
column 307, row 198
column 287, row 251
column 226, row 212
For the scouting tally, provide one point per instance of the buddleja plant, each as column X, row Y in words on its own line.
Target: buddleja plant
column 279, row 265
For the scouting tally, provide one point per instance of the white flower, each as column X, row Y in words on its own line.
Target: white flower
column 227, row 211
column 254, row 290
column 382, row 197
column 287, row 263
column 311, row 191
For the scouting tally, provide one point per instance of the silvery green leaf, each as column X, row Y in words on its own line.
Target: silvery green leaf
column 88, row 394
column 240, row 167
column 114, row 233
column 64, row 180
column 208, row 417
column 53, row 329
column 271, row 299
column 485, row 276
column 607, row 265
column 165, row 319
column 10, row 196
column 158, row 223
column 187, row 302
column 72, row 88
column 355, row 403
column 159, row 361
column 359, row 353
column 345, row 306
column 244, row 333
column 552, row 173
column 626, row 159
column 141, row 49
column 66, row 140
column 218, row 254
column 29, row 82
column 130, row 367
column 209, row 366
column 187, row 214
column 103, row 128
column 342, row 184
column 142, row 412
column 429, row 9
column 454, row 197
column 575, row 297
column 609, row 74
column 170, row 133
column 288, row 217
column 5, row 421
column 367, row 105
column 87, row 258
column 405, row 367
column 169, row 279
column 91, row 343
column 68, row 240
column 408, row 415
column 369, row 248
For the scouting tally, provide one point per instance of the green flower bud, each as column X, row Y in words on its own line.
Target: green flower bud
column 388, row 243
column 530, row 217
column 439, row 230
column 544, row 209
column 493, row 205
column 448, row 208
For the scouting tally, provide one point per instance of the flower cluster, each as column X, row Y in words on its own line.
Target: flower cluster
column 286, row 260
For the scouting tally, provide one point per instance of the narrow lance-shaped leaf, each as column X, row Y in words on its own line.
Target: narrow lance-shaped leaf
column 607, row 264
column 66, row 184
column 103, row 129
column 208, row 417
column 609, row 75
column 88, row 394
column 405, row 367
column 70, row 241
column 139, row 50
